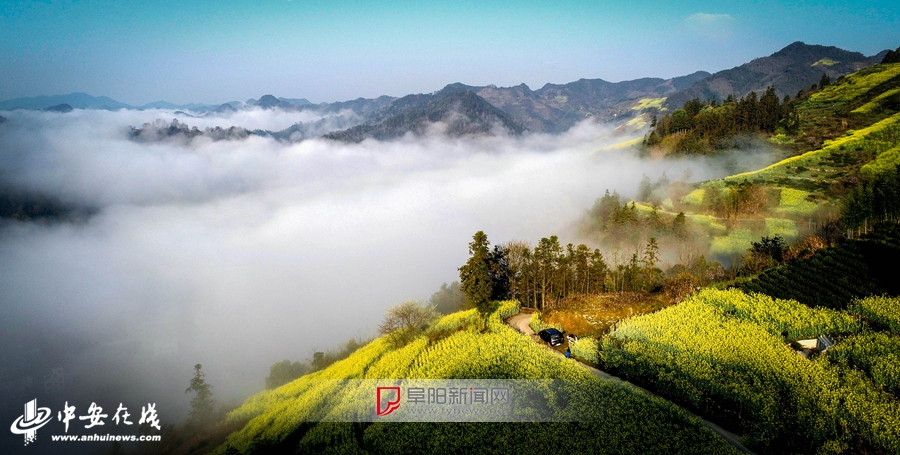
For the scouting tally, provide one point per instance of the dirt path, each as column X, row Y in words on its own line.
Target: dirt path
column 520, row 322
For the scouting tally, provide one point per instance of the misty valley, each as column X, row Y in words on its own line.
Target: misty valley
column 714, row 252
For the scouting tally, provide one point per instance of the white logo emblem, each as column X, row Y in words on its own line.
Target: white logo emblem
column 29, row 423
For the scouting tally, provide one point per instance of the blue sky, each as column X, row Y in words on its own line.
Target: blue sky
column 212, row 52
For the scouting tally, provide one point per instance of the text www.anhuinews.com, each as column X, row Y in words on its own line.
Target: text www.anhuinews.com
column 103, row 438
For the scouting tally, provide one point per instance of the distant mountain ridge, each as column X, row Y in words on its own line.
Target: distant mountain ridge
column 81, row 100
column 460, row 109
column 553, row 108
column 78, row 100
column 795, row 67
column 556, row 107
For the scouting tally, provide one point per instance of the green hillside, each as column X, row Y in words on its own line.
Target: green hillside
column 614, row 418
column 731, row 356
column 726, row 354
column 854, row 127
column 840, row 135
column 834, row 277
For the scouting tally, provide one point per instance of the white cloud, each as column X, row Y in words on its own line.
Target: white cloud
column 713, row 26
column 238, row 254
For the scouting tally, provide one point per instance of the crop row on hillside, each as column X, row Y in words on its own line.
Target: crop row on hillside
column 881, row 310
column 834, row 277
column 726, row 365
column 818, row 164
column 586, row 350
column 605, row 417
column 854, row 86
column 830, row 278
column 876, row 353
column 876, row 102
column 786, row 318
column 795, row 202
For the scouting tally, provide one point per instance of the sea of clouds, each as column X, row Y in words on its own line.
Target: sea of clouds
column 239, row 254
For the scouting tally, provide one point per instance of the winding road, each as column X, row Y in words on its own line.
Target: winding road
column 521, row 322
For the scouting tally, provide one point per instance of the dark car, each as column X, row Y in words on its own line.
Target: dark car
column 552, row 336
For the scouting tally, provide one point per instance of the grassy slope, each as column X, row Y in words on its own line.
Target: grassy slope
column 851, row 122
column 617, row 419
column 850, row 129
column 724, row 353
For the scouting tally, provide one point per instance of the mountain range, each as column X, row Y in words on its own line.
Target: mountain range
column 460, row 109
column 789, row 70
column 553, row 108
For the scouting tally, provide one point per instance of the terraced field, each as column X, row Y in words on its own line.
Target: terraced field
column 726, row 354
column 614, row 419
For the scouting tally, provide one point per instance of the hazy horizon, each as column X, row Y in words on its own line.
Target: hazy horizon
column 206, row 52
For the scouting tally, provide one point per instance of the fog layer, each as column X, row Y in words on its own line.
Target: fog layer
column 238, row 254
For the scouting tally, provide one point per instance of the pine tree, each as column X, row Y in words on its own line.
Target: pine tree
column 769, row 110
column 645, row 189
column 650, row 258
column 651, row 254
column 202, row 404
column 679, row 225
column 498, row 265
column 475, row 274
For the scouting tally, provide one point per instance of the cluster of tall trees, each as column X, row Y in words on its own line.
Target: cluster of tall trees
column 700, row 127
column 448, row 299
column 549, row 271
column 653, row 192
column 543, row 275
column 891, row 56
column 618, row 223
column 281, row 373
column 765, row 254
column 875, row 200
column 743, row 198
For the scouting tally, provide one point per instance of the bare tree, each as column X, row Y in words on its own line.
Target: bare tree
column 680, row 287
column 687, row 254
column 516, row 252
column 404, row 321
